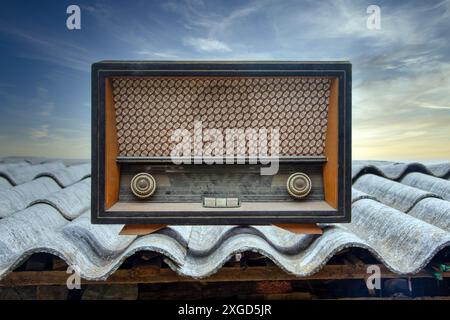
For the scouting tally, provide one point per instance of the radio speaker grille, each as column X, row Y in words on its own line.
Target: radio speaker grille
column 149, row 109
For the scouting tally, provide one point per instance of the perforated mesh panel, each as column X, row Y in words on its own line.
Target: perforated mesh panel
column 148, row 110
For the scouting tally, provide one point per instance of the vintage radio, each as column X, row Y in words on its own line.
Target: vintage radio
column 221, row 142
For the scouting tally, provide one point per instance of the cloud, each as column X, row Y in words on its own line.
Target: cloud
column 54, row 145
column 207, row 45
column 50, row 49
column 340, row 19
column 41, row 91
column 48, row 140
column 404, row 116
column 98, row 9
column 400, row 73
column 436, row 107
column 211, row 20
column 39, row 132
column 153, row 54
column 46, row 109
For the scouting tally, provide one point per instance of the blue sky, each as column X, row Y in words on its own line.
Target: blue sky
column 401, row 109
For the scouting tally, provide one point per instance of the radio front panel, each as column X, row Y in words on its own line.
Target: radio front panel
column 221, row 143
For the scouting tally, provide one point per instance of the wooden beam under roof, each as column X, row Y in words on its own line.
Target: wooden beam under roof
column 148, row 275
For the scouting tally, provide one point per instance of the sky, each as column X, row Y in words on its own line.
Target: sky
column 401, row 72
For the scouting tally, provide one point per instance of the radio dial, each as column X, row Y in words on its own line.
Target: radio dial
column 143, row 185
column 299, row 185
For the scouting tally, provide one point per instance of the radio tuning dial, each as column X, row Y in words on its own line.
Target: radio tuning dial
column 143, row 185
column 299, row 185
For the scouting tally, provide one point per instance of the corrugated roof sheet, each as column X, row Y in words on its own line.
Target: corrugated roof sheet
column 401, row 214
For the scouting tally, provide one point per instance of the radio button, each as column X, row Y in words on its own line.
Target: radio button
column 221, row 202
column 143, row 185
column 232, row 202
column 298, row 185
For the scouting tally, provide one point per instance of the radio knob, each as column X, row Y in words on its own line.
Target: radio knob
column 299, row 185
column 143, row 185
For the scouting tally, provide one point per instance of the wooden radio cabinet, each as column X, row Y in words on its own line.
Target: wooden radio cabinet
column 221, row 142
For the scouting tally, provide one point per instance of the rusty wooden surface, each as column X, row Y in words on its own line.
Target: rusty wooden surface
column 331, row 168
column 301, row 228
column 145, row 274
column 112, row 175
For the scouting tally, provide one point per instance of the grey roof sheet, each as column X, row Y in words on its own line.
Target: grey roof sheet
column 400, row 214
column 17, row 175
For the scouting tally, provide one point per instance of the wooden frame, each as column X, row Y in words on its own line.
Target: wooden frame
column 112, row 173
column 337, row 170
column 148, row 274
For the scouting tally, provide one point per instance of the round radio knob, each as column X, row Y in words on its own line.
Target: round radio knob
column 298, row 185
column 143, row 185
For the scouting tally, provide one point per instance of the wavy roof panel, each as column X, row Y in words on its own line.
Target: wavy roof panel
column 400, row 214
